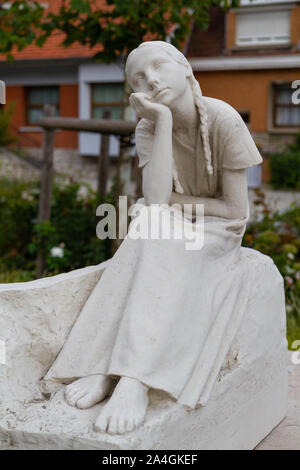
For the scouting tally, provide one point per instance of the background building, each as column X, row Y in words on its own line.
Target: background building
column 248, row 57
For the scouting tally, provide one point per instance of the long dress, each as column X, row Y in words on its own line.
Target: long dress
column 160, row 313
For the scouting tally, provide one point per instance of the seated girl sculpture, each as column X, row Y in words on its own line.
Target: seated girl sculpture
column 162, row 317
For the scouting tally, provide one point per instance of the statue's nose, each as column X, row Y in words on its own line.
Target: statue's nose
column 152, row 82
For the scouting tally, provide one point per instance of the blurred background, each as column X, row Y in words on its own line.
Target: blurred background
column 70, row 55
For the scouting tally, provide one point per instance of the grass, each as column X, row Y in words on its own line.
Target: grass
column 16, row 276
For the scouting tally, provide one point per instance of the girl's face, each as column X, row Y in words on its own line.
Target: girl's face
column 153, row 72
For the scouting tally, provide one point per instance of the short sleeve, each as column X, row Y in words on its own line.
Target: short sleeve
column 239, row 149
column 144, row 134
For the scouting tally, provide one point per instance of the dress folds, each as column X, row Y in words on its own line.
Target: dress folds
column 162, row 313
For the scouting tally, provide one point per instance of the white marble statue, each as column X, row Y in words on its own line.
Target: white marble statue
column 163, row 317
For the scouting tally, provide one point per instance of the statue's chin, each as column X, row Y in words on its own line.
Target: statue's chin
column 163, row 98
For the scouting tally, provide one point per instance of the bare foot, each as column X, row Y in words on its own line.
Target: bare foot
column 88, row 391
column 126, row 408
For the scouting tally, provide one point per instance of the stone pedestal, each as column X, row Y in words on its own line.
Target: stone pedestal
column 248, row 400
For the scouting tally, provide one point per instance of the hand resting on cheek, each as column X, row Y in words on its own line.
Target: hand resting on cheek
column 146, row 108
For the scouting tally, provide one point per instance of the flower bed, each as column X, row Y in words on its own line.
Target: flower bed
column 278, row 236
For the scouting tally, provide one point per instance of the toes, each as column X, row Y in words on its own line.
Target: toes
column 136, row 422
column 139, row 420
column 70, row 392
column 69, row 397
column 70, row 401
column 130, row 424
column 122, row 426
column 113, row 427
column 70, row 389
column 101, row 423
column 72, row 398
column 117, row 424
column 86, row 401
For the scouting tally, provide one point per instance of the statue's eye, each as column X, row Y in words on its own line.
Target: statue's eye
column 137, row 79
column 158, row 63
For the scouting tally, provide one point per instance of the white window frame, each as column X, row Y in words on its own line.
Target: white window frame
column 89, row 143
column 263, row 40
column 7, row 5
column 270, row 3
column 103, row 104
column 271, row 125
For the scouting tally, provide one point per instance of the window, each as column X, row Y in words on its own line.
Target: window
column 285, row 113
column 37, row 97
column 107, row 100
column 245, row 115
column 263, row 28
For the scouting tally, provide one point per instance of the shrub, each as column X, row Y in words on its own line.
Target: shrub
column 285, row 167
column 72, row 227
column 278, row 236
column 18, row 209
column 73, row 230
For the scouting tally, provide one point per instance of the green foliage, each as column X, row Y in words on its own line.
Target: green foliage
column 6, row 113
column 121, row 25
column 285, row 167
column 118, row 25
column 72, row 228
column 18, row 208
column 278, row 236
column 16, row 25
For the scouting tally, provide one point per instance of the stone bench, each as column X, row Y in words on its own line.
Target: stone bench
column 248, row 400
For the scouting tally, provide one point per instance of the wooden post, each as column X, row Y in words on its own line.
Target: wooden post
column 46, row 184
column 137, row 175
column 124, row 163
column 125, row 157
column 103, row 161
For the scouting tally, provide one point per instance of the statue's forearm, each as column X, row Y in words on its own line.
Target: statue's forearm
column 212, row 206
column 157, row 175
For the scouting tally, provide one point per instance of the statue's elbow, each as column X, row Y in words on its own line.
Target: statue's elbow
column 155, row 195
column 237, row 211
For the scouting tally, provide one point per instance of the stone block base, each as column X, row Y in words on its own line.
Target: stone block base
column 248, row 400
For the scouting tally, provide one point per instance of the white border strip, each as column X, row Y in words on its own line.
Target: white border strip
column 246, row 63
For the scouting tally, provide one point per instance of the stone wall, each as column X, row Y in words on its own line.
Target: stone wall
column 67, row 163
column 13, row 167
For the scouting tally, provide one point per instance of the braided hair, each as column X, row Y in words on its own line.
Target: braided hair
column 200, row 105
column 198, row 99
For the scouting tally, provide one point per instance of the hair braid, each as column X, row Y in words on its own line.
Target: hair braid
column 200, row 105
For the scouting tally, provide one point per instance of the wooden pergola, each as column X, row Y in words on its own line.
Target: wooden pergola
column 106, row 127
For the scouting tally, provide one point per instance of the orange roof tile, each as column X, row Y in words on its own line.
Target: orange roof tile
column 52, row 47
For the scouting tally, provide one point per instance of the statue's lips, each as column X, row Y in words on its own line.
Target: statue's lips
column 159, row 92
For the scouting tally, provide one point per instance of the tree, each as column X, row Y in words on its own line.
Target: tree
column 112, row 27
column 117, row 26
